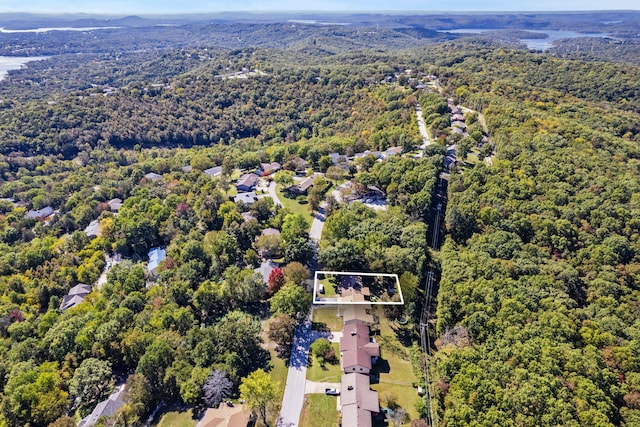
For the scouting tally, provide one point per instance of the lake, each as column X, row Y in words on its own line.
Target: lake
column 536, row 44
column 8, row 63
column 46, row 30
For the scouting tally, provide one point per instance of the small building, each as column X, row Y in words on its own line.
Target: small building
column 270, row 232
column 457, row 118
column 458, row 124
column 247, row 182
column 303, row 186
column 115, row 204
column 214, row 171
column 75, row 296
column 359, row 403
column 152, row 176
column 350, row 312
column 186, row 169
column 156, row 256
column 247, row 198
column 93, row 229
column 248, row 216
column 40, row 213
column 106, row 409
column 357, row 351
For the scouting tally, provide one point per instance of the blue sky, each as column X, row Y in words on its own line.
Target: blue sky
column 189, row 6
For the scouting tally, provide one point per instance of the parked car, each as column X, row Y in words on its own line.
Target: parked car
column 331, row 392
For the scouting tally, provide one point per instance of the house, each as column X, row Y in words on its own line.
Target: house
column 214, row 171
column 93, row 229
column 269, row 168
column 225, row 416
column 457, row 118
column 270, row 232
column 151, row 176
column 248, row 216
column 357, row 351
column 303, row 186
column 107, row 408
column 247, row 182
column 352, row 290
column 393, row 151
column 40, row 213
column 186, row 169
column 75, row 296
column 246, row 198
column 458, row 124
column 457, row 131
column 156, row 256
column 359, row 403
column 265, row 269
column 115, row 204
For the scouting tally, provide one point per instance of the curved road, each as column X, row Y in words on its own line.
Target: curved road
column 273, row 194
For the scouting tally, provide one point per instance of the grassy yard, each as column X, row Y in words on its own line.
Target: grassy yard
column 329, row 287
column 294, row 206
column 278, row 371
column 330, row 372
column 319, row 410
column 394, row 370
column 177, row 419
column 327, row 318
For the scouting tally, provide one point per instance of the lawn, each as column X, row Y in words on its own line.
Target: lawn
column 294, row 206
column 395, row 370
column 326, row 318
column 278, row 372
column 329, row 287
column 330, row 372
column 319, row 410
column 177, row 419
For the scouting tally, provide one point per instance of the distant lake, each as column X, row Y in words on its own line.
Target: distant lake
column 15, row 63
column 46, row 30
column 537, row 44
column 314, row 22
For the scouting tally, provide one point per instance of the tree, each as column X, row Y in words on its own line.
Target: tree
column 268, row 245
column 298, row 250
column 217, row 388
column 275, row 281
column 294, row 226
column 321, row 349
column 259, row 391
column 296, row 272
column 91, row 381
column 284, row 177
column 63, row 421
column 281, row 330
column 138, row 398
column 292, row 299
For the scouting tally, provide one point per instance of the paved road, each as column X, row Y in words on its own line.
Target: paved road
column 423, row 128
column 273, row 194
column 296, row 378
column 318, row 222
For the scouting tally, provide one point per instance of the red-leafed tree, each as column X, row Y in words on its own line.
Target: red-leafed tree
column 276, row 280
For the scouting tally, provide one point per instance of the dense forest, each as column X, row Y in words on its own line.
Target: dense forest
column 536, row 318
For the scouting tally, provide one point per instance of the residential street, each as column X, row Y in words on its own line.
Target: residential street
column 296, row 378
column 273, row 194
column 423, row 128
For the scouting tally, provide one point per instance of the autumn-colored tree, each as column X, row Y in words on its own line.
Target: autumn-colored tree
column 276, row 280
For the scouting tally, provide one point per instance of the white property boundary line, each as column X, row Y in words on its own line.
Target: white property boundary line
column 336, row 301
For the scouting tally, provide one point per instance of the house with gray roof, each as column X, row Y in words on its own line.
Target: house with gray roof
column 214, row 171
column 75, row 296
column 40, row 213
column 247, row 182
column 107, row 408
column 156, row 256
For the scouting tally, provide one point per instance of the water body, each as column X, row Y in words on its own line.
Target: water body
column 536, row 44
column 46, row 30
column 314, row 22
column 8, row 63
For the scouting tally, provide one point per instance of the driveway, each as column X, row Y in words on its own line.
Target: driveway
column 319, row 387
